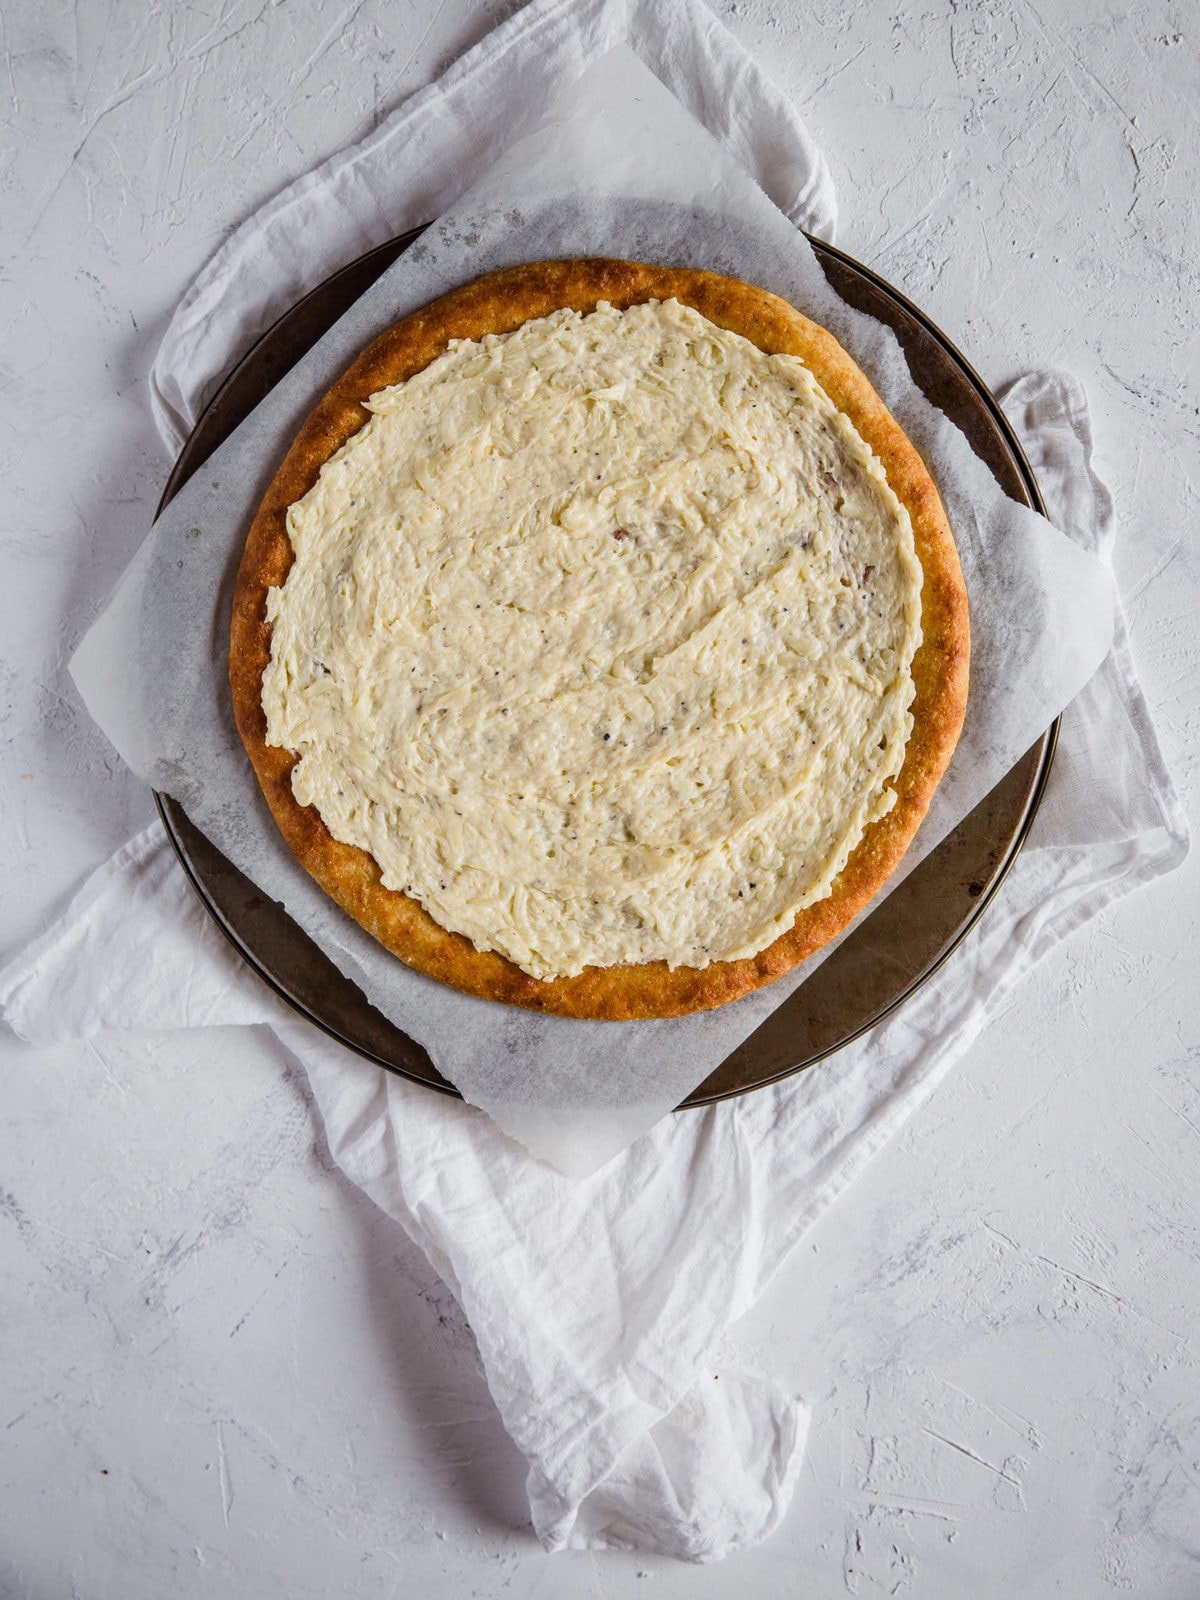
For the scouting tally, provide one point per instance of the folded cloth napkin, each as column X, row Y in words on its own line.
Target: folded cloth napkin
column 599, row 1356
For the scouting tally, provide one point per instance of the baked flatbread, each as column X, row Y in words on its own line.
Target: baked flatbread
column 499, row 304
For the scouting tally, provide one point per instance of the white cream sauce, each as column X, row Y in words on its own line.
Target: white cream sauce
column 598, row 638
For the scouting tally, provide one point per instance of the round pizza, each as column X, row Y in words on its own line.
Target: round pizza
column 601, row 640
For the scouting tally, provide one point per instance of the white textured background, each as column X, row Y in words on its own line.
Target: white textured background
column 221, row 1371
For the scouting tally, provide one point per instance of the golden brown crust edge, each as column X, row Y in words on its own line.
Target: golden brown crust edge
column 499, row 303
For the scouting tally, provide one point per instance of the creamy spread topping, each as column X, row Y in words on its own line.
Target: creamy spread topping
column 598, row 638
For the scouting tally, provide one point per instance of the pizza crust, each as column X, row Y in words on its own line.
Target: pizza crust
column 499, row 303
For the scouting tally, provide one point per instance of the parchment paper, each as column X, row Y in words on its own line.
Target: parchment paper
column 615, row 167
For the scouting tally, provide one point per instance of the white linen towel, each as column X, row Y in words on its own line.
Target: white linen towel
column 598, row 1356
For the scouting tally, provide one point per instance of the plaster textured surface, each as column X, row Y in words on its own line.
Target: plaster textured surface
column 223, row 1372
